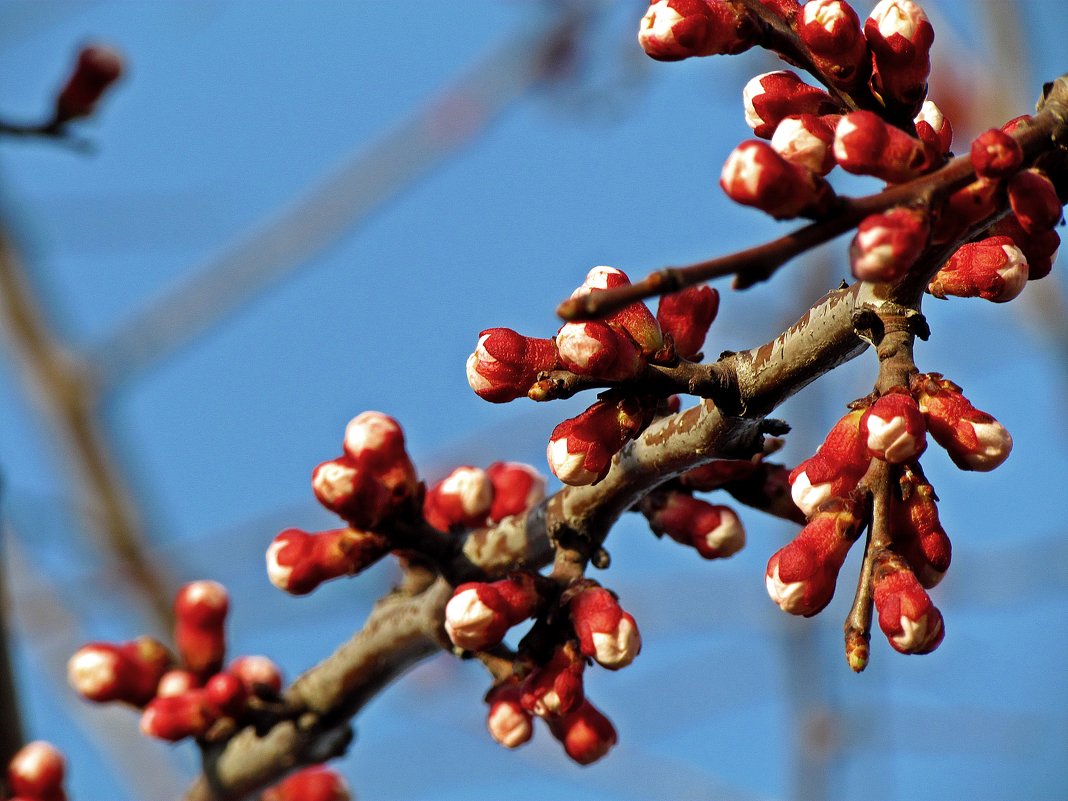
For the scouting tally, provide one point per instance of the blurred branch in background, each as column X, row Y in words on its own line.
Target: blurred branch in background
column 11, row 736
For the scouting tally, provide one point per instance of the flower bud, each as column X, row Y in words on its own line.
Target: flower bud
column 772, row 97
column 599, row 350
column 298, row 562
column 517, row 487
column 315, row 783
column 864, row 144
column 36, row 773
column 587, row 734
column 260, row 675
column 462, row 499
column 672, row 30
column 606, row 633
column 227, row 694
column 176, row 682
column 717, row 473
column 887, row 245
column 973, row 439
column 807, row 141
column 555, row 688
column 1040, row 249
column 831, row 31
column 714, row 531
column 200, row 612
column 479, row 614
column 509, row 724
column 801, row 576
column 1034, row 200
column 993, row 269
column 933, row 128
column 911, row 623
column 176, row 717
column 580, row 450
column 376, row 442
column 350, row 491
column 835, row 469
column 129, row 673
column 893, row 428
column 917, row 531
column 505, row 364
column 995, row 154
column 635, row 319
column 966, row 207
column 755, row 175
column 98, row 67
column 687, row 315
column 900, row 37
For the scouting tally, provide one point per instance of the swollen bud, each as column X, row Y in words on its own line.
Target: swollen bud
column 887, row 245
column 479, row 614
column 586, row 733
column 516, row 488
column 900, row 37
column 606, row 633
column 755, row 175
column 908, row 618
column 580, row 450
column 508, row 722
column 200, row 612
column 864, row 144
column 672, row 30
column 993, row 269
column 298, row 562
column 713, row 531
column 505, row 364
column 316, row 783
column 98, row 67
column 687, row 315
column 772, row 97
column 973, row 439
column 1034, row 200
column 831, row 31
column 893, row 428
column 35, row 773
column 598, row 350
column 462, row 499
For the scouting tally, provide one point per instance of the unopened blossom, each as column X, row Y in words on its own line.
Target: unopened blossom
column 580, row 450
column 893, row 428
column 995, row 154
column 1040, row 249
column 299, row 561
column 993, row 269
column 831, row 31
column 508, row 722
column 505, row 364
column 973, row 439
column 1034, row 200
column 834, row 470
column 934, row 128
column 714, row 531
column 755, row 175
column 351, row 491
column 260, row 675
column 806, row 140
column 607, row 634
column 315, row 783
column 200, row 614
column 687, row 315
column 35, row 773
column 599, row 350
column 900, row 37
column 479, row 614
column 908, row 618
column 376, row 442
column 865, row 144
column 635, row 319
column 587, row 735
column 886, row 245
column 97, row 68
column 127, row 672
column 461, row 499
column 517, row 487
column 176, row 717
column 772, row 97
column 917, row 531
column 672, row 30
column 555, row 688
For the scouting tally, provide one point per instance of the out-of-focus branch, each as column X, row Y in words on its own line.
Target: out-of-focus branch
column 63, row 388
column 11, row 735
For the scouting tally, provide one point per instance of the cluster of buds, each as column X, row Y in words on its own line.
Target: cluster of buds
column 96, row 69
column 36, row 773
column 316, row 783
column 470, row 497
column 181, row 695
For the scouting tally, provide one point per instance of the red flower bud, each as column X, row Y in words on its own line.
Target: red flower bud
column 967, row 206
column 993, row 269
column 772, row 97
column 35, row 773
column 227, row 694
column 973, row 439
column 687, row 315
column 200, row 612
column 587, row 734
column 1016, row 122
column 911, row 623
column 934, row 128
column 887, row 245
column 606, row 633
column 580, row 450
column 831, row 31
column 555, row 688
column 508, row 723
column 1040, row 248
column 801, row 576
column 376, row 442
column 599, row 350
column 807, row 141
column 129, row 673
column 672, row 30
column 298, row 562
column 837, row 466
column 714, row 531
column 635, row 319
column 995, row 154
column 176, row 682
column 517, row 487
column 893, row 428
column 462, row 499
column 97, row 68
column 715, row 474
column 918, row 533
column 505, row 364
column 260, row 675
column 310, row 784
column 479, row 615
column 900, row 37
column 351, row 491
column 179, row 716
column 864, row 144
column 1034, row 200
column 755, row 175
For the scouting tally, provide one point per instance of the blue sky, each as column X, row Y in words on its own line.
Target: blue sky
column 232, row 113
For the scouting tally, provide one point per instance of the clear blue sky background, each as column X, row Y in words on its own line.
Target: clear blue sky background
column 233, row 111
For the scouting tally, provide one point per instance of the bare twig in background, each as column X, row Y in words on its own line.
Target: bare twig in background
column 11, row 736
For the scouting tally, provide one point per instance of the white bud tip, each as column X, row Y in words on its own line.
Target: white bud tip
column 617, row 649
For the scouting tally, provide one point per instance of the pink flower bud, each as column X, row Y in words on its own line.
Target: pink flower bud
column 900, row 37
column 316, row 783
column 837, row 466
column 635, row 319
column 376, row 442
column 517, row 487
column 995, row 154
column 350, row 491
column 687, row 315
column 505, row 364
column 801, row 576
column 672, row 30
column 97, row 68
column 587, row 734
column 772, row 97
column 179, row 716
column 509, row 724
column 580, row 450
column 934, row 128
column 176, row 682
column 606, row 633
column 129, row 673
column 831, row 31
column 462, row 499
column 36, row 772
column 911, row 623
column 479, row 615
column 298, row 562
column 200, row 612
column 599, row 350
column 260, row 675
column 993, row 269
column 1040, row 249
column 887, row 245
column 973, row 439
column 714, row 531
column 807, row 141
column 555, row 688
column 1034, row 200
column 864, row 144
column 755, row 175
column 893, row 428
column 918, row 533
column 227, row 694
